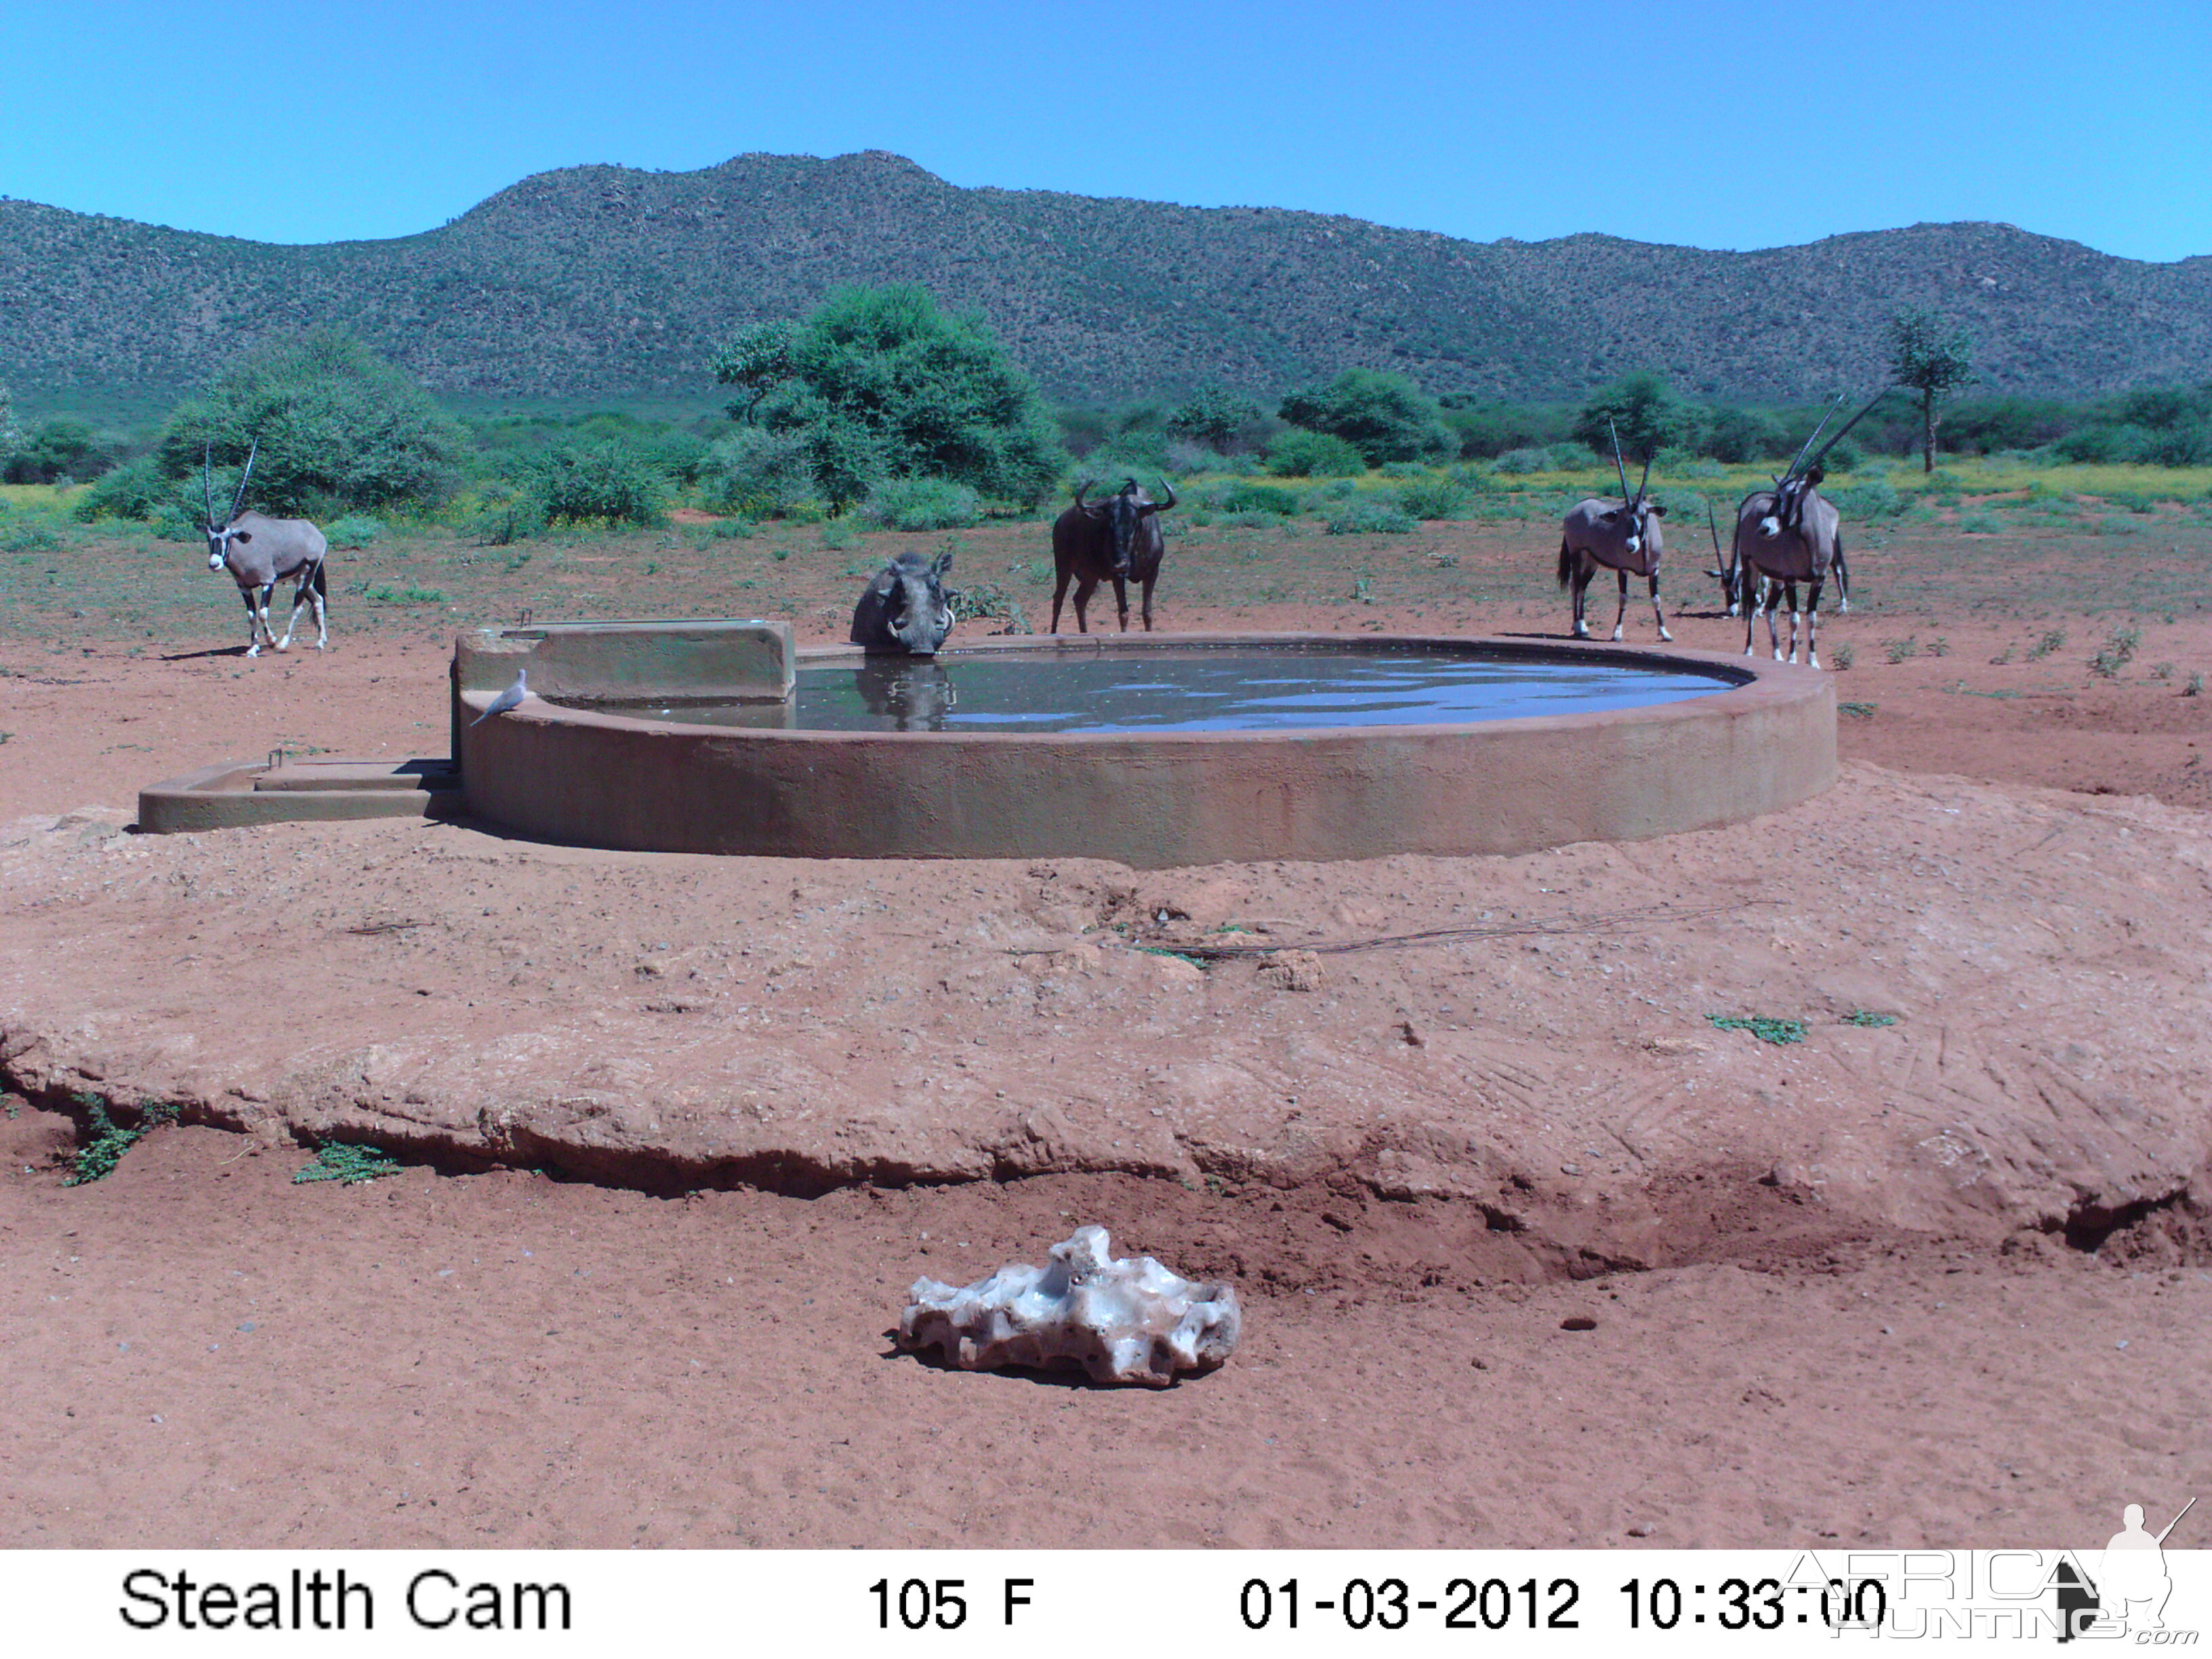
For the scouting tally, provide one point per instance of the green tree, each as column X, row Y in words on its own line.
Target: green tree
column 1386, row 418
column 337, row 426
column 1215, row 416
column 1644, row 410
column 881, row 383
column 1933, row 358
column 756, row 361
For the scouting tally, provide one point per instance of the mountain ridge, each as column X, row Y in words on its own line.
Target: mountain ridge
column 602, row 281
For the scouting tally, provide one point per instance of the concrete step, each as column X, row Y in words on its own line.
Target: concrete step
column 334, row 772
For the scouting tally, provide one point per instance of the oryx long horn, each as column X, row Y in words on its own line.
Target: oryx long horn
column 243, row 477
column 1838, row 434
column 1626, row 500
column 1645, row 479
column 1713, row 525
column 1829, row 415
column 207, row 479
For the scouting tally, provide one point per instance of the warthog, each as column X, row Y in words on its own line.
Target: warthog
column 1117, row 540
column 905, row 609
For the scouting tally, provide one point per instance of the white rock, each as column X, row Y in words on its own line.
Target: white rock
column 1130, row 1320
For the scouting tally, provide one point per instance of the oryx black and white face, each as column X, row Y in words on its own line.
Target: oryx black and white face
column 1788, row 511
column 1635, row 524
column 219, row 539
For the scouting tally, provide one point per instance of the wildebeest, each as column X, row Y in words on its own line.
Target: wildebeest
column 260, row 552
column 1624, row 539
column 905, row 608
column 1117, row 540
column 1787, row 535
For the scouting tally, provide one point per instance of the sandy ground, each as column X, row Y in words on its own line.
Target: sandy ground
column 1941, row 1281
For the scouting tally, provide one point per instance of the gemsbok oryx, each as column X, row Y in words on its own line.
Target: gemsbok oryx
column 1624, row 539
column 1787, row 535
column 260, row 552
column 1117, row 540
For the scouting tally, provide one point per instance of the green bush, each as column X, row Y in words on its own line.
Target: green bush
column 59, row 450
column 1386, row 418
column 1642, row 410
column 1299, row 453
column 1524, row 461
column 1740, row 436
column 756, row 473
column 1432, row 498
column 1244, row 497
column 1217, row 417
column 337, row 426
column 597, row 484
column 355, row 530
column 505, row 515
column 1875, row 498
column 137, row 490
column 923, row 504
column 1368, row 515
column 883, row 384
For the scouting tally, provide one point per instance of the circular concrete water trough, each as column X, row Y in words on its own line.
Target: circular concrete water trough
column 625, row 755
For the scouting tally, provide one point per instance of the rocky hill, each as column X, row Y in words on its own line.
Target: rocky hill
column 604, row 282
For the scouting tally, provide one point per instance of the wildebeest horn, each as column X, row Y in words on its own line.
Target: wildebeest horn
column 1162, row 507
column 1626, row 499
column 207, row 479
column 1081, row 491
column 240, row 499
column 1839, row 433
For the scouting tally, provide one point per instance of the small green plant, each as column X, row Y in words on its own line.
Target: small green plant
column 735, row 529
column 2117, row 653
column 2003, row 657
column 413, row 593
column 1363, row 589
column 988, row 600
column 350, row 1165
column 2050, row 643
column 838, row 534
column 1370, row 517
column 97, row 1158
column 1903, row 650
column 1939, row 647
column 1857, row 711
column 1861, row 1017
column 1843, row 656
column 2161, row 671
column 1979, row 524
column 1766, row 1028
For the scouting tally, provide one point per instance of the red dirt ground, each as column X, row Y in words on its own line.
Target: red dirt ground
column 201, row 1352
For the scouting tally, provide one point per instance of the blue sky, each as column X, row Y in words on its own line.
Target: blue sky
column 1715, row 123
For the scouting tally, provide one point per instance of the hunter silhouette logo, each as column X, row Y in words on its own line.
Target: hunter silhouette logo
column 2131, row 1584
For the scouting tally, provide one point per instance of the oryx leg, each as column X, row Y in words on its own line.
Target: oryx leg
column 1657, row 610
column 1121, row 598
column 1773, row 597
column 302, row 591
column 1620, row 617
column 1843, row 578
column 253, row 633
column 1813, row 624
column 1751, row 593
column 1584, row 570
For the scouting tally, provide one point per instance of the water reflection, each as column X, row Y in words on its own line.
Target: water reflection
column 909, row 694
column 1210, row 689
